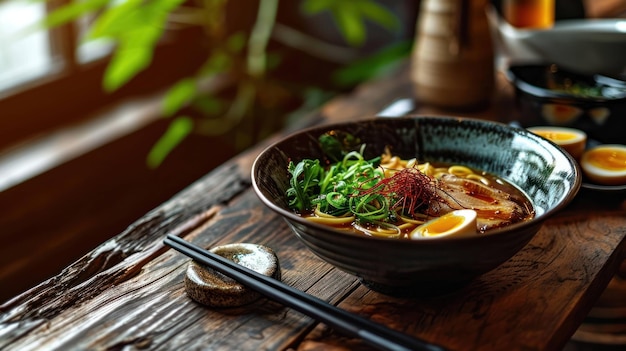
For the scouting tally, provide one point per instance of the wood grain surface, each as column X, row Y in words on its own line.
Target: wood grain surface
column 128, row 293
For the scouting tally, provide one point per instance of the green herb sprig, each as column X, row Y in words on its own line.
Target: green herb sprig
column 337, row 191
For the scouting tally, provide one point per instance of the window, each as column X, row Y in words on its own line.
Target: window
column 29, row 52
column 24, row 55
column 50, row 78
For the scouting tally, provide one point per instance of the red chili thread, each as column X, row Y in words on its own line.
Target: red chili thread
column 409, row 188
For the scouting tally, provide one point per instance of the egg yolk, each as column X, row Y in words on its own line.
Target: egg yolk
column 556, row 136
column 444, row 224
column 570, row 139
column 614, row 160
column 455, row 223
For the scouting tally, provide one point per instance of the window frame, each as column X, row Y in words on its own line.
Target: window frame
column 45, row 104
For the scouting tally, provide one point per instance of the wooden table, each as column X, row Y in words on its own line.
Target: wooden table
column 128, row 293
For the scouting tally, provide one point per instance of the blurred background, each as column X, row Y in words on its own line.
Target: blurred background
column 110, row 107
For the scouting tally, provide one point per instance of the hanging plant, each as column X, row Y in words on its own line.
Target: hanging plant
column 234, row 91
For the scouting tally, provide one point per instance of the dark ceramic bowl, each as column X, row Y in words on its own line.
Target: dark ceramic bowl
column 549, row 95
column 550, row 178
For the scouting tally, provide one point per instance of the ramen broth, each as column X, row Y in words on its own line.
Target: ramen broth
column 497, row 202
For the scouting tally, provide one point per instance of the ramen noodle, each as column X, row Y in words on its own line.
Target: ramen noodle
column 391, row 196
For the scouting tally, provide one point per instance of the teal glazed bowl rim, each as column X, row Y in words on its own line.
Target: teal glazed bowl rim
column 552, row 182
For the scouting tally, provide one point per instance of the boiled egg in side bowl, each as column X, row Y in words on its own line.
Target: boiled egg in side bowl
column 605, row 164
column 570, row 139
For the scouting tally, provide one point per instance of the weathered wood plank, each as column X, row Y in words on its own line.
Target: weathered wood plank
column 164, row 317
column 62, row 214
column 122, row 257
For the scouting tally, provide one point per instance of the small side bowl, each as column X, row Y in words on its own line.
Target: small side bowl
column 549, row 176
column 543, row 101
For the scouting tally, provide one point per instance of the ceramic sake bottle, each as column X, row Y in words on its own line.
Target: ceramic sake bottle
column 453, row 57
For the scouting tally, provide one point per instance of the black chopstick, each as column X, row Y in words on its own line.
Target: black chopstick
column 372, row 333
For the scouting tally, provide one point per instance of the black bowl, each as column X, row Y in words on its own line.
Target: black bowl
column 549, row 95
column 549, row 176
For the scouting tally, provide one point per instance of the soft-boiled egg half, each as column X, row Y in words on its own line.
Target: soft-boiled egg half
column 455, row 223
column 571, row 140
column 605, row 164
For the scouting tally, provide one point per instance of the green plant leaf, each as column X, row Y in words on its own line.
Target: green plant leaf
column 177, row 131
column 136, row 26
column 133, row 15
column 133, row 54
column 351, row 16
column 313, row 7
column 72, row 11
column 116, row 19
column 218, row 61
column 125, row 64
column 179, row 95
column 236, row 42
column 273, row 60
column 208, row 105
column 378, row 14
column 351, row 25
column 373, row 65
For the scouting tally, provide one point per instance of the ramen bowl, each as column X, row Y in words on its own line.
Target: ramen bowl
column 543, row 171
column 552, row 95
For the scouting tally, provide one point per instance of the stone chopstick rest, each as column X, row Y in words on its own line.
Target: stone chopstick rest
column 211, row 288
